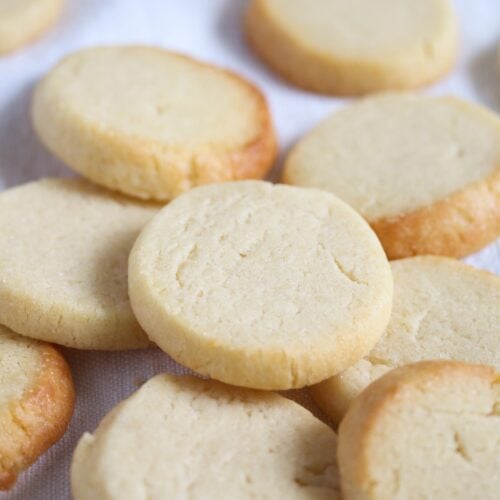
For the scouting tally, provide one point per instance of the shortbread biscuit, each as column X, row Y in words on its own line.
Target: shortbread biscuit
column 427, row 430
column 183, row 437
column 424, row 171
column 442, row 309
column 152, row 123
column 262, row 286
column 64, row 246
column 23, row 20
column 36, row 402
column 351, row 47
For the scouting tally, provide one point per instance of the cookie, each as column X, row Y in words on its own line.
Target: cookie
column 152, row 123
column 64, row 246
column 261, row 286
column 427, row 430
column 205, row 440
column 423, row 171
column 442, row 309
column 23, row 20
column 36, row 402
column 352, row 47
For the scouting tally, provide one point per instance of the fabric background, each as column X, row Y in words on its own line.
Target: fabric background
column 210, row 30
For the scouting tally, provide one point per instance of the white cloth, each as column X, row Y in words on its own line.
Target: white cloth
column 210, row 30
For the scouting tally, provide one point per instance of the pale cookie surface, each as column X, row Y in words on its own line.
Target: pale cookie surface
column 424, row 171
column 424, row 431
column 442, row 309
column 23, row 20
column 36, row 402
column 261, row 285
column 351, row 47
column 183, row 437
column 64, row 246
column 152, row 123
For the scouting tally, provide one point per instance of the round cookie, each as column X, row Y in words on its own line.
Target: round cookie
column 427, row 430
column 152, row 123
column 64, row 246
column 36, row 402
column 423, row 171
column 352, row 47
column 23, row 20
column 206, row 440
column 260, row 285
column 442, row 309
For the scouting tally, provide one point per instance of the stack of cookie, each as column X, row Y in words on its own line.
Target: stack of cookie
column 258, row 287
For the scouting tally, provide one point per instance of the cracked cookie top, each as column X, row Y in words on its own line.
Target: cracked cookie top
column 442, row 309
column 425, row 430
column 260, row 285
